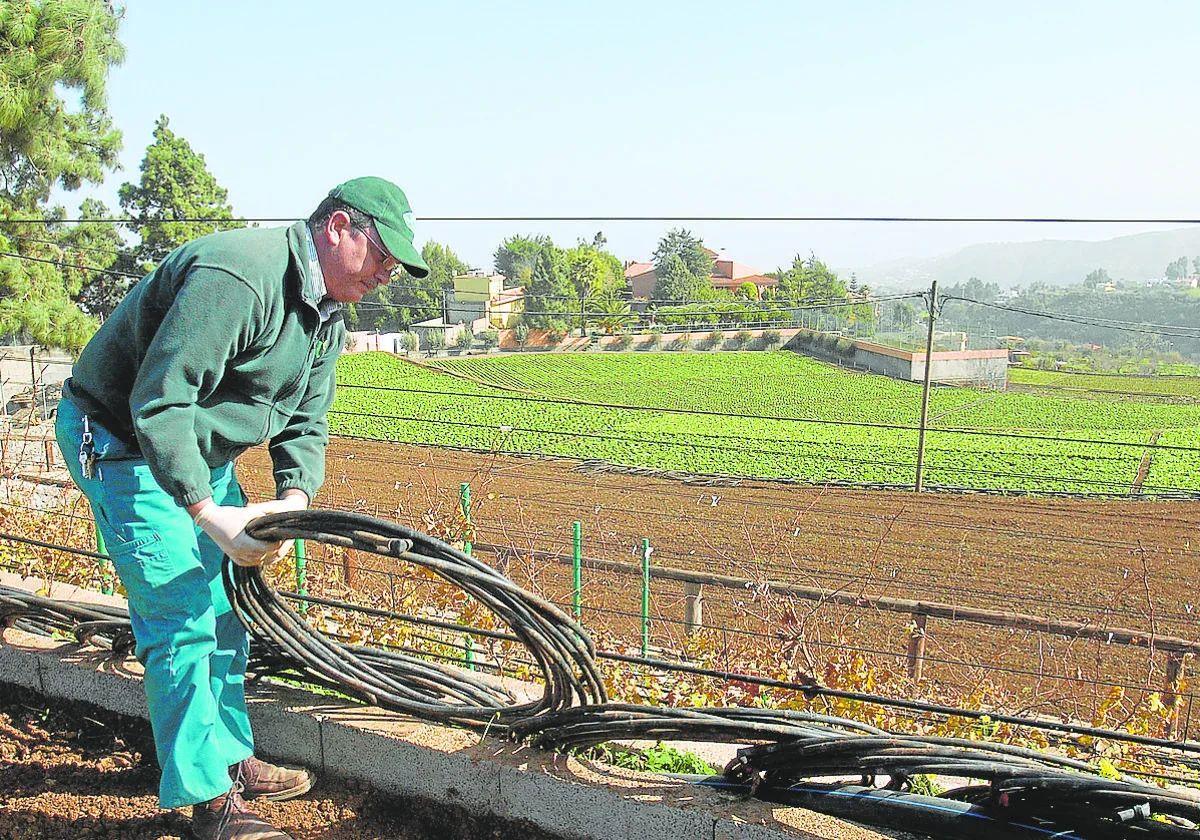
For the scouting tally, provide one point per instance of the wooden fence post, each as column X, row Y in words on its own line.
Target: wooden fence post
column 916, row 647
column 1171, row 682
column 693, row 607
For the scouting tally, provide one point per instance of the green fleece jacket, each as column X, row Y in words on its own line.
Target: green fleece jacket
column 218, row 349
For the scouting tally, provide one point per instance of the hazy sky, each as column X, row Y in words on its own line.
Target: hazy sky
column 691, row 108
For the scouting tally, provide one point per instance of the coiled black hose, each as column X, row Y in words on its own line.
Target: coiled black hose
column 563, row 651
column 100, row 625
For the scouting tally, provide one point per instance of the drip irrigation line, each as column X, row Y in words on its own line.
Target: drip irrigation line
column 507, row 430
column 265, row 605
column 709, row 626
column 725, row 416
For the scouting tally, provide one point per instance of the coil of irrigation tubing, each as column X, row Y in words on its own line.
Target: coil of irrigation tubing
column 820, row 762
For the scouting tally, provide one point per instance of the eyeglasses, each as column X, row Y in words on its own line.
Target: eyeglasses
column 385, row 257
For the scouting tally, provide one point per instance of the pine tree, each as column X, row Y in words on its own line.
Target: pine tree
column 48, row 46
column 175, row 184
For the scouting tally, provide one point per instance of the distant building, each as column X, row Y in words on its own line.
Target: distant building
column 726, row 274
column 482, row 297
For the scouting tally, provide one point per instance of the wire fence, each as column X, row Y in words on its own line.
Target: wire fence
column 812, row 572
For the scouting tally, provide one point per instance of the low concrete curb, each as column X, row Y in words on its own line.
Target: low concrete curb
column 402, row 756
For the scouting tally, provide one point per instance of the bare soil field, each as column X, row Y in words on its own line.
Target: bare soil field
column 1110, row 563
column 69, row 772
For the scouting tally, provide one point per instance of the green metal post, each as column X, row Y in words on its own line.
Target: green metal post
column 301, row 578
column 106, row 582
column 464, row 493
column 469, row 652
column 577, row 568
column 645, row 597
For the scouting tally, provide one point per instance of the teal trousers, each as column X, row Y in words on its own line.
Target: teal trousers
column 190, row 642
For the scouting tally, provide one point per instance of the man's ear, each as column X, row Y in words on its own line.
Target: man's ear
column 337, row 226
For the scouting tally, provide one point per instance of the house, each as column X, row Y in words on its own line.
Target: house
column 479, row 296
column 641, row 279
column 726, row 275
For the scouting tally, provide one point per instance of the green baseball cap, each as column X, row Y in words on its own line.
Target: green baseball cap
column 386, row 203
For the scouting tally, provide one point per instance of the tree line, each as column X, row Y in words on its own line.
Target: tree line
column 58, row 280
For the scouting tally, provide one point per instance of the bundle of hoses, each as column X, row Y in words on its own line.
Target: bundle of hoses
column 788, row 756
column 101, row 625
column 561, row 648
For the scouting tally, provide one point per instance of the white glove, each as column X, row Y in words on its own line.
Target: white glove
column 293, row 499
column 226, row 525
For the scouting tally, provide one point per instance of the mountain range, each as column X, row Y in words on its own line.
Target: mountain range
column 1057, row 262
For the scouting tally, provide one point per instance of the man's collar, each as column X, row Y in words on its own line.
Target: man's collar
column 313, row 290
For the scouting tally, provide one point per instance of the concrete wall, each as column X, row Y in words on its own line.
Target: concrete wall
column 50, row 367
column 466, row 311
column 989, row 372
column 985, row 368
column 409, row 758
column 894, row 366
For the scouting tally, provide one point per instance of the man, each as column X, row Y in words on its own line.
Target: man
column 230, row 342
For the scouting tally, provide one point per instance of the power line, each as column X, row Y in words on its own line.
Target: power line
column 65, row 264
column 750, row 307
column 1100, row 220
column 1105, row 323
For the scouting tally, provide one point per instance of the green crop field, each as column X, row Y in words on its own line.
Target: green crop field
column 1107, row 386
column 770, row 415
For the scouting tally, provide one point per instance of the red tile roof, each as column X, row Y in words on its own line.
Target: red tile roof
column 634, row 269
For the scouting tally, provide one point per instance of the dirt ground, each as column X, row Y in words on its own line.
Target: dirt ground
column 1111, row 563
column 69, row 772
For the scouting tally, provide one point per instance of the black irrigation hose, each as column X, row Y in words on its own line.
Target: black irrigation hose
column 562, row 649
column 788, row 756
column 100, row 625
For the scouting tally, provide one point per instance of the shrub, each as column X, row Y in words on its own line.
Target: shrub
column 771, row 338
column 655, row 339
column 623, row 342
column 465, row 340
column 521, row 333
column 489, row 338
column 436, row 340
column 843, row 347
column 683, row 341
column 712, row 340
column 556, row 330
column 743, row 338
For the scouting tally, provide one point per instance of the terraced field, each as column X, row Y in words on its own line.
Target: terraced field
column 770, row 415
column 1107, row 386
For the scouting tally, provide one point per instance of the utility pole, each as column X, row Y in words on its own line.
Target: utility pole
column 933, row 308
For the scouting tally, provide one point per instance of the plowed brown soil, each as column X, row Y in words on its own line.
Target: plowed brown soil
column 1121, row 563
column 69, row 772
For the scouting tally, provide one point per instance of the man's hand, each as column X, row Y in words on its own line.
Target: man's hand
column 226, row 525
column 291, row 500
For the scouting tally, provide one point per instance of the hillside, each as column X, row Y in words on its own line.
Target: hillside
column 1055, row 262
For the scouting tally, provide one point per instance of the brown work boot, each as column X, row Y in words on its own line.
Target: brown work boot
column 270, row 781
column 228, row 818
